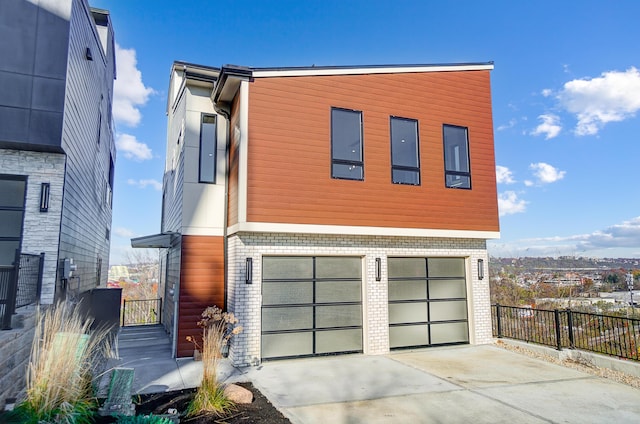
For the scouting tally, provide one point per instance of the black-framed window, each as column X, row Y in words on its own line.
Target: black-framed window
column 208, row 149
column 457, row 171
column 405, row 156
column 346, row 144
column 13, row 190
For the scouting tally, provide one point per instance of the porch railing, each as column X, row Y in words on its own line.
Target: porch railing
column 606, row 334
column 20, row 285
column 141, row 312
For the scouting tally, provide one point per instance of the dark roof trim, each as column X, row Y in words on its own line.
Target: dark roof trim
column 364, row 67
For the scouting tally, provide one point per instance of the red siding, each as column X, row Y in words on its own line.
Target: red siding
column 201, row 284
column 289, row 178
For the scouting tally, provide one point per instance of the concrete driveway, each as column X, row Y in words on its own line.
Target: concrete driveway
column 466, row 384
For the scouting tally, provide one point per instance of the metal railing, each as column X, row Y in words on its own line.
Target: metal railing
column 141, row 312
column 606, row 334
column 20, row 285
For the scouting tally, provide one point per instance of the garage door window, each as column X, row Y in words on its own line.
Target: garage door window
column 311, row 306
column 427, row 302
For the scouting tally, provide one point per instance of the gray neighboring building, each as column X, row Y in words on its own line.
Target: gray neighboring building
column 57, row 150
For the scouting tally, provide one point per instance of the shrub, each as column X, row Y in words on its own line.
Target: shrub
column 63, row 359
column 143, row 419
column 217, row 329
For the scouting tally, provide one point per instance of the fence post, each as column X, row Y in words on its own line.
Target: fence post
column 570, row 325
column 556, row 314
column 498, row 321
column 124, row 310
column 40, row 276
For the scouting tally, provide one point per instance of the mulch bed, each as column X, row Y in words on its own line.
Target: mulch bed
column 259, row 411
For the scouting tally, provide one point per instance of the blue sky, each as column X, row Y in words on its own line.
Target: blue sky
column 566, row 97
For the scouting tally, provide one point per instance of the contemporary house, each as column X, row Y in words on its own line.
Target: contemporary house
column 57, row 151
column 332, row 209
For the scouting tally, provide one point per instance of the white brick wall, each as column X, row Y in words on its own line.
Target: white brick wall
column 41, row 229
column 245, row 299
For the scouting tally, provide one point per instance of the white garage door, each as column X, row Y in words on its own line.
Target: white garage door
column 427, row 302
column 311, row 306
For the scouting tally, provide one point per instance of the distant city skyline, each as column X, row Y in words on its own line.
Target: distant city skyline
column 565, row 100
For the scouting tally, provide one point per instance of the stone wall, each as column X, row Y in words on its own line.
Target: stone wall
column 15, row 347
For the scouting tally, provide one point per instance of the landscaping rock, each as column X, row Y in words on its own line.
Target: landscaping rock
column 238, row 394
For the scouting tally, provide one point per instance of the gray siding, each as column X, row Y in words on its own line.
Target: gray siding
column 86, row 215
column 174, row 168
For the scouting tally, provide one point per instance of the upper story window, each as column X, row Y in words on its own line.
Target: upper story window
column 208, row 149
column 346, row 144
column 405, row 157
column 456, row 157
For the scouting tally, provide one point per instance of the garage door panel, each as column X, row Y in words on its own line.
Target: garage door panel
column 445, row 267
column 407, row 290
column 407, row 267
column 338, row 316
column 453, row 332
column 448, row 311
column 287, row 318
column 338, row 291
column 409, row 335
column 283, row 268
column 338, row 340
column 427, row 301
column 287, row 344
column 336, row 267
column 288, row 292
column 311, row 306
column 447, row 289
column 400, row 313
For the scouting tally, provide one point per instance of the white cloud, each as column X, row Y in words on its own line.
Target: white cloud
column 504, row 175
column 546, row 173
column 129, row 92
column 613, row 96
column 123, row 232
column 509, row 204
column 547, row 92
column 529, row 183
column 550, row 126
column 132, row 148
column 617, row 240
column 511, row 124
column 626, row 234
column 156, row 185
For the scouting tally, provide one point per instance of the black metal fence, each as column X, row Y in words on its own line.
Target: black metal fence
column 610, row 335
column 141, row 312
column 20, row 285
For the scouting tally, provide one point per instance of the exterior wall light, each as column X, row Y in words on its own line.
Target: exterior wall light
column 378, row 269
column 480, row 269
column 88, row 55
column 249, row 271
column 45, row 188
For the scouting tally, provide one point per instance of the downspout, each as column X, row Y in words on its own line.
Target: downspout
column 227, row 117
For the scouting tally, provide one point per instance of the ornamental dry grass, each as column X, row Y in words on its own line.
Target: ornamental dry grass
column 64, row 357
column 217, row 330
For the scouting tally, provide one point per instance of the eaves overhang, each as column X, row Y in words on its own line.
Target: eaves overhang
column 161, row 240
column 230, row 78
